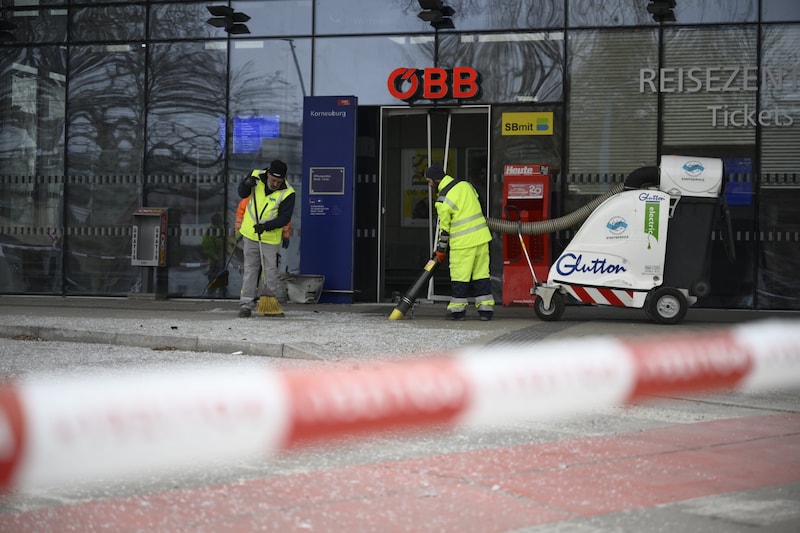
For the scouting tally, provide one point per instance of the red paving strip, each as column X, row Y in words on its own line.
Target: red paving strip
column 484, row 490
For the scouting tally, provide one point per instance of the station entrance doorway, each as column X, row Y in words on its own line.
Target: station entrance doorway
column 411, row 138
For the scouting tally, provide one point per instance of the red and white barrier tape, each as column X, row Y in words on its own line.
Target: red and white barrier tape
column 58, row 431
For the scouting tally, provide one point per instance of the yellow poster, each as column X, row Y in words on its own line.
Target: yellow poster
column 415, row 187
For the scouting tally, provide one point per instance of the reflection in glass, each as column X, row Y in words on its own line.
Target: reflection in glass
column 105, row 147
column 614, row 13
column 268, row 82
column 32, row 96
column 187, row 105
column 779, row 190
column 106, row 107
column 607, row 110
column 780, row 94
column 780, row 11
column 184, row 20
column 185, row 150
column 588, row 13
column 99, row 215
column 515, row 67
column 107, row 23
column 38, row 25
column 400, row 16
column 698, row 103
column 279, row 17
column 31, row 234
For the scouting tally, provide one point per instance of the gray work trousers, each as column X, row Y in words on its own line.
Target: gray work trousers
column 253, row 254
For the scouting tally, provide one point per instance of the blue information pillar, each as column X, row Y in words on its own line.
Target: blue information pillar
column 328, row 212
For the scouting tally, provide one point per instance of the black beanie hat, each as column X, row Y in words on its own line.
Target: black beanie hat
column 277, row 168
column 435, row 172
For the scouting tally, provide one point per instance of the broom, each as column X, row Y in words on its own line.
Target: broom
column 267, row 303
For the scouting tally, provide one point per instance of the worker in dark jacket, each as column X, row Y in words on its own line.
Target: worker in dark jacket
column 268, row 211
column 464, row 234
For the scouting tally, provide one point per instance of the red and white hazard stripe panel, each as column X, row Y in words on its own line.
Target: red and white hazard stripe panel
column 607, row 296
column 74, row 429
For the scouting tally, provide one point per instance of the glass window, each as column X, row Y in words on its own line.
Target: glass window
column 82, row 2
column 612, row 123
column 276, row 17
column 37, row 24
column 31, row 234
column 780, row 94
column 715, row 11
column 368, row 16
column 268, row 82
column 32, row 99
column 107, row 23
column 185, row 20
column 187, row 102
column 607, row 13
column 515, row 67
column 530, row 69
column 779, row 188
column 780, row 11
column 185, row 148
column 627, row 13
column 17, row 3
column 400, row 16
column 105, row 150
column 360, row 65
column 97, row 250
column 32, row 96
column 709, row 85
column 106, row 106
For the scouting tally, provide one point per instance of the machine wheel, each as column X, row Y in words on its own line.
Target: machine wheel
column 552, row 313
column 666, row 306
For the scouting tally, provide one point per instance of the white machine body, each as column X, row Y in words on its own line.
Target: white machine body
column 699, row 177
column 622, row 244
column 618, row 254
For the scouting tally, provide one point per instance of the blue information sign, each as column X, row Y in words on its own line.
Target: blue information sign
column 328, row 207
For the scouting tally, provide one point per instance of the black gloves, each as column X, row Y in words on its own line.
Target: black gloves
column 250, row 181
column 285, row 243
column 260, row 228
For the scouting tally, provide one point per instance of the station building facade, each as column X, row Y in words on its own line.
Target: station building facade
column 111, row 107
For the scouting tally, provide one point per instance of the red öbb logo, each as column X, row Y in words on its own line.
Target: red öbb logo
column 409, row 84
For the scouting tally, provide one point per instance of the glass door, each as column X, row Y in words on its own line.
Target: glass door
column 411, row 138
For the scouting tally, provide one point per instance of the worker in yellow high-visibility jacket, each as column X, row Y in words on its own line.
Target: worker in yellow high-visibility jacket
column 464, row 236
column 269, row 209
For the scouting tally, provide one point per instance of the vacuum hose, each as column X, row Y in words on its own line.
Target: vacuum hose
column 408, row 298
column 556, row 224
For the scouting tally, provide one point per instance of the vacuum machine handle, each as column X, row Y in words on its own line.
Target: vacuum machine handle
column 509, row 209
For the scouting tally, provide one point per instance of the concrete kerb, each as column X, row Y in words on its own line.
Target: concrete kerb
column 190, row 344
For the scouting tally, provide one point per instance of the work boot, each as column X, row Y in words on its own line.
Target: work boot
column 486, row 315
column 244, row 312
column 458, row 316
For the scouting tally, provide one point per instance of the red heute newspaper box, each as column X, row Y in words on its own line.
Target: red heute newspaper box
column 526, row 198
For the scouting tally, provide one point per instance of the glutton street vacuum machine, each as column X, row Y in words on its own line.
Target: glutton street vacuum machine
column 647, row 246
